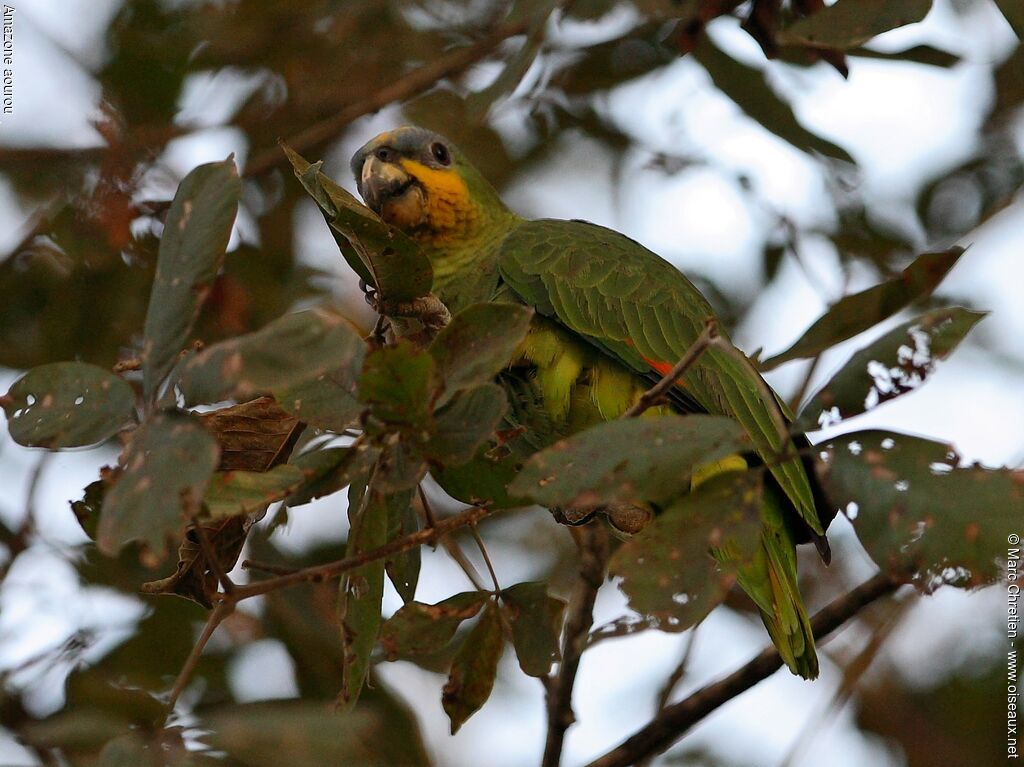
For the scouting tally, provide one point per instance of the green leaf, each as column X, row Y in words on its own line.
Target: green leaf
column 67, row 404
column 536, row 620
column 484, row 480
column 192, row 249
column 329, row 470
column 668, row 570
column 399, row 383
column 328, row 401
column 1013, row 10
column 747, row 87
column 361, row 590
column 466, row 423
column 403, row 568
column 381, row 254
column 304, row 733
column 471, row 678
column 166, row 469
column 662, row 453
column 292, row 350
column 856, row 313
column 914, row 507
column 849, row 23
column 243, row 492
column 479, row 343
column 897, row 363
column 422, row 629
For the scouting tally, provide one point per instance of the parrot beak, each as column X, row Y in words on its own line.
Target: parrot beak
column 391, row 192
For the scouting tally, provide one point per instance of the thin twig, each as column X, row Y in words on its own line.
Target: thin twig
column 672, row 723
column 325, row 572
column 267, row 567
column 653, row 396
column 412, row 84
column 678, row 672
column 853, row 671
column 592, row 540
column 210, row 555
column 665, row 694
column 220, row 612
column 486, row 556
column 805, row 385
column 451, row 546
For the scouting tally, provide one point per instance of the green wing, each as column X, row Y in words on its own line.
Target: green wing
column 641, row 310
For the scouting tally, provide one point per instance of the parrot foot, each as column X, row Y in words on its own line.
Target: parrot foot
column 429, row 313
column 626, row 519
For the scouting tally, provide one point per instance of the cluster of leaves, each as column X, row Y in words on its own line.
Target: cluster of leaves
column 419, row 409
column 416, row 409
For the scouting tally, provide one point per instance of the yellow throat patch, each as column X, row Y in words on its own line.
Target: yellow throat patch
column 449, row 207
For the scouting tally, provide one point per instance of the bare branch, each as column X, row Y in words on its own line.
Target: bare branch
column 674, row 721
column 220, row 612
column 653, row 396
column 592, row 540
column 210, row 555
column 412, row 84
column 487, row 559
column 330, row 570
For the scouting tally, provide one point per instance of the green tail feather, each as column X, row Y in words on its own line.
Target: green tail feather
column 771, row 581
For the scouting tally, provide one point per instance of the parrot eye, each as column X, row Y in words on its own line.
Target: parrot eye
column 385, row 154
column 440, row 152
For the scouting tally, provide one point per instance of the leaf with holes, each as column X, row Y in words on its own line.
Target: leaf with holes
column 471, row 678
column 192, row 249
column 167, row 466
column 916, row 509
column 67, row 404
column 536, row 620
column 292, row 350
column 858, row 312
column 668, row 570
column 897, row 363
column 419, row 629
column 581, row 471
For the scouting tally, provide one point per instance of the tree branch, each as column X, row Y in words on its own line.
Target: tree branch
column 226, row 601
column 412, row 84
column 592, row 539
column 330, row 570
column 653, row 396
column 674, row 721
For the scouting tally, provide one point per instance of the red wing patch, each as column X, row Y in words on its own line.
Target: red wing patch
column 661, row 367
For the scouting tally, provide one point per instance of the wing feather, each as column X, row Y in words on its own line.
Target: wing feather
column 637, row 308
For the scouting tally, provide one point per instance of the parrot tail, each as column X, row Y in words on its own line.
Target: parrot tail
column 787, row 621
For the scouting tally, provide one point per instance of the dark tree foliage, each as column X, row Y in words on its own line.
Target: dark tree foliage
column 227, row 403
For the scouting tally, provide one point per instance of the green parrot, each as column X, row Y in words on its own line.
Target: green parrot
column 611, row 318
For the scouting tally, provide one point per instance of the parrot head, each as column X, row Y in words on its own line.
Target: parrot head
column 421, row 183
